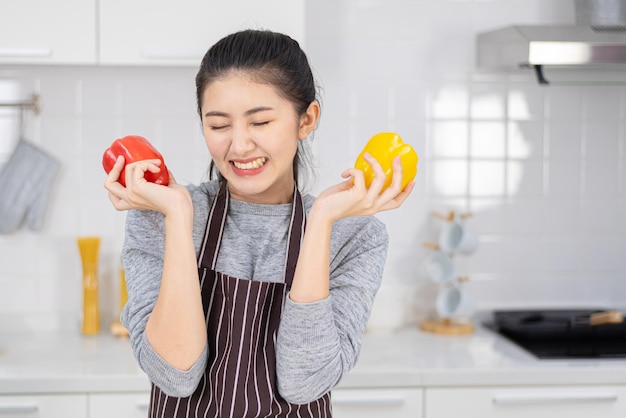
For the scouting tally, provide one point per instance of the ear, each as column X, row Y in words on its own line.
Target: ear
column 308, row 121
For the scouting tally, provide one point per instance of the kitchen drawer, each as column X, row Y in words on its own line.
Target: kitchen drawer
column 43, row 406
column 377, row 403
column 119, row 405
column 523, row 402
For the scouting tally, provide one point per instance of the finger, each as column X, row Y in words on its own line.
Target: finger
column 172, row 178
column 401, row 197
column 396, row 178
column 396, row 181
column 135, row 172
column 154, row 166
column 118, row 165
column 397, row 201
column 339, row 187
column 115, row 187
column 358, row 178
column 117, row 168
column 379, row 175
column 118, row 203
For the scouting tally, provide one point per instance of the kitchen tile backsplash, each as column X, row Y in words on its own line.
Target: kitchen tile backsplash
column 541, row 169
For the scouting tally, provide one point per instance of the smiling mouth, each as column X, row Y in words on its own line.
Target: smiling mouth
column 250, row 165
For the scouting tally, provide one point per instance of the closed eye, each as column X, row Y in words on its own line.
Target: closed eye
column 219, row 128
column 260, row 123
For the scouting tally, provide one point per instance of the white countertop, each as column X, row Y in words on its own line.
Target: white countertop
column 62, row 362
column 415, row 358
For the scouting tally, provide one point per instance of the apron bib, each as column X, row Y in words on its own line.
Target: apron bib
column 242, row 319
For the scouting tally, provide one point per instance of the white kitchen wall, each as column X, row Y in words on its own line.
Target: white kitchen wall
column 83, row 110
column 541, row 169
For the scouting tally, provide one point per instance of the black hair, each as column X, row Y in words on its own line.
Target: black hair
column 267, row 57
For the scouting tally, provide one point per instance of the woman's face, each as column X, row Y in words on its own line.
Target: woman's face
column 252, row 134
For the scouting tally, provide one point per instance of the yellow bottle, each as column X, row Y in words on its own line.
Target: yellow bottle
column 89, row 247
column 123, row 292
column 116, row 327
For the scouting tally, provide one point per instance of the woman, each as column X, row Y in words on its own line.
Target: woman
column 235, row 309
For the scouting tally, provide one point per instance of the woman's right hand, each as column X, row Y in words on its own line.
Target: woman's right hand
column 142, row 194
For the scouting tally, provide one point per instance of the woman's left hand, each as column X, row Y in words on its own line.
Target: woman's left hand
column 353, row 198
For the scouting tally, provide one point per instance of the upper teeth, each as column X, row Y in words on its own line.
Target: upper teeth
column 250, row 165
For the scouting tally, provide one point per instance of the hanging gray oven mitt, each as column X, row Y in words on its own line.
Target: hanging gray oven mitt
column 25, row 184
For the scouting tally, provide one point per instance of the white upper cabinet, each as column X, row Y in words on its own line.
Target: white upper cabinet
column 47, row 32
column 165, row 32
column 133, row 32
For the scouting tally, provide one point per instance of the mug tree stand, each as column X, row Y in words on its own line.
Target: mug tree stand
column 447, row 326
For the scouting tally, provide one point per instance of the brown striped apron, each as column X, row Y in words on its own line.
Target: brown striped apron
column 242, row 319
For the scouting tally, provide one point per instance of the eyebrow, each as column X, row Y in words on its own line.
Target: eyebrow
column 246, row 113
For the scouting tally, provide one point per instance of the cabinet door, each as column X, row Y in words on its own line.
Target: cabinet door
column 164, row 32
column 44, row 406
column 48, row 32
column 119, row 405
column 377, row 403
column 536, row 402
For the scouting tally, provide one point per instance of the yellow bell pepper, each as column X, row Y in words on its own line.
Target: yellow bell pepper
column 384, row 146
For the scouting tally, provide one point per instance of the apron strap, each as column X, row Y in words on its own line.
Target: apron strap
column 294, row 238
column 217, row 220
column 214, row 228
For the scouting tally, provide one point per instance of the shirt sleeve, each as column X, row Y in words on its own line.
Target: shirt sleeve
column 142, row 254
column 319, row 342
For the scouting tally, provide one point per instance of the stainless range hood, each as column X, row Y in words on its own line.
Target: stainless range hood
column 596, row 41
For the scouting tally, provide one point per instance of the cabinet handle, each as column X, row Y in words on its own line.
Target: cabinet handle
column 25, row 52
column 171, row 54
column 546, row 398
column 25, row 408
column 375, row 400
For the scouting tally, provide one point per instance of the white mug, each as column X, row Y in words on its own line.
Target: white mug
column 454, row 302
column 439, row 267
column 457, row 237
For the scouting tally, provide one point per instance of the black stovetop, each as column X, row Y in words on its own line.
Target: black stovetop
column 560, row 334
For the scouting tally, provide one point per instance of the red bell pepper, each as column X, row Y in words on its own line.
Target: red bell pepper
column 135, row 148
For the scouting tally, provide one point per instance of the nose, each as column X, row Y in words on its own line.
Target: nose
column 241, row 141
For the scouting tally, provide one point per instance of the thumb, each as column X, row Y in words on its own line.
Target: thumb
column 171, row 177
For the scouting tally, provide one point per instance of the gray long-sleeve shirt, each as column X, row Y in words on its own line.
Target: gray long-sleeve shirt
column 317, row 343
